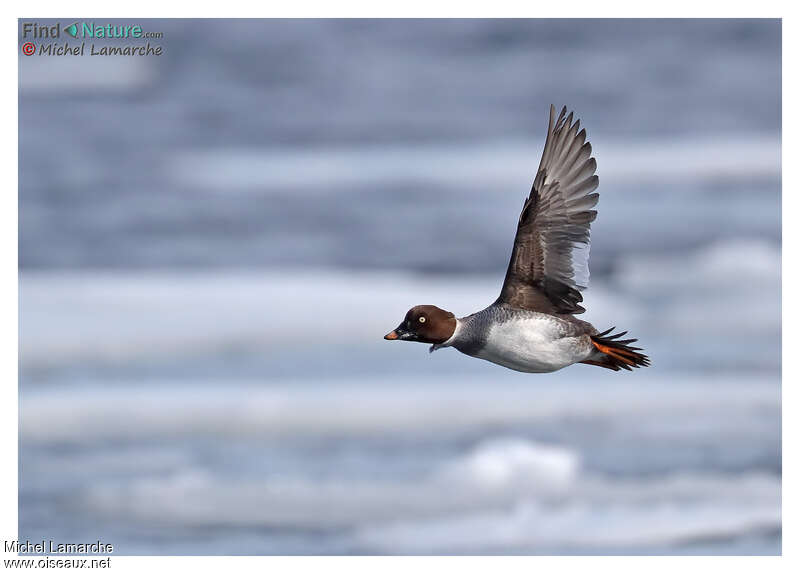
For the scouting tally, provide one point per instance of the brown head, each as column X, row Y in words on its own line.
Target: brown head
column 425, row 324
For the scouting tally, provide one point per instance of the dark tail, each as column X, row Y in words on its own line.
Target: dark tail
column 617, row 354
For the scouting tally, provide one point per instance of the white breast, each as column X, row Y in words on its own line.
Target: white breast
column 532, row 345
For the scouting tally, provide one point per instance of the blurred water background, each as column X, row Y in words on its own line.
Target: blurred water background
column 212, row 243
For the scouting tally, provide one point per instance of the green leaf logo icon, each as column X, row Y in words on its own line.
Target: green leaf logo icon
column 72, row 30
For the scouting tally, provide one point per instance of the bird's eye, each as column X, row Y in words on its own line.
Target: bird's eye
column 422, row 319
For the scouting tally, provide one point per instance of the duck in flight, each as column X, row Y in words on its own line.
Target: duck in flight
column 532, row 326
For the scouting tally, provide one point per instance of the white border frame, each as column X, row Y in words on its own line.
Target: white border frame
column 414, row 8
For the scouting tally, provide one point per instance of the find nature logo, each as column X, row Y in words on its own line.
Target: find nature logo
column 87, row 32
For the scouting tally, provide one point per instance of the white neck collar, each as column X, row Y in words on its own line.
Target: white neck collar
column 449, row 341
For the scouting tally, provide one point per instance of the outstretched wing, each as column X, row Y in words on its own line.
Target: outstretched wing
column 550, row 260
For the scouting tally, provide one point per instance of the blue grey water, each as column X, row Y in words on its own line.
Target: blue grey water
column 213, row 241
